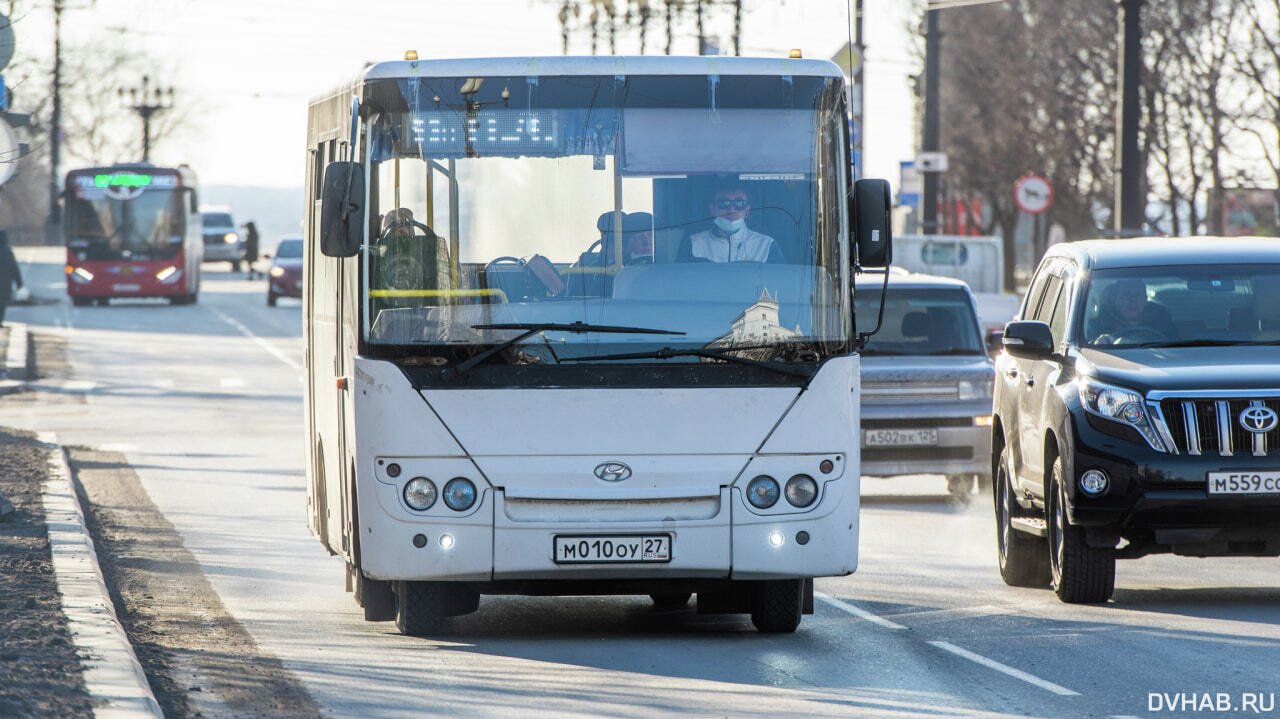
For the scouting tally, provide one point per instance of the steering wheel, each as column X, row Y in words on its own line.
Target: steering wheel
column 402, row 271
column 505, row 259
column 1139, row 333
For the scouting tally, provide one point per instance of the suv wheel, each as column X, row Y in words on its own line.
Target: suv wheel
column 1081, row 574
column 1023, row 559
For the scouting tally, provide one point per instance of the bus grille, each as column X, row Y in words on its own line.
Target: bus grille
column 1212, row 426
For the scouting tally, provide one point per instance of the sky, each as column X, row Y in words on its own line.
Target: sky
column 251, row 66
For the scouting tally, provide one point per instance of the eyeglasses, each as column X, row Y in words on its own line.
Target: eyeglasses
column 738, row 204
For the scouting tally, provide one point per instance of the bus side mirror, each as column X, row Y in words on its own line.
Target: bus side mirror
column 192, row 199
column 342, row 210
column 871, row 210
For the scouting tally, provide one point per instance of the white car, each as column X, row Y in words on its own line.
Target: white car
column 222, row 240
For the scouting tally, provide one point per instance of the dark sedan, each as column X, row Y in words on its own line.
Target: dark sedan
column 284, row 279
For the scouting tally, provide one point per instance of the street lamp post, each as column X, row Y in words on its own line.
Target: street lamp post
column 147, row 101
column 1130, row 209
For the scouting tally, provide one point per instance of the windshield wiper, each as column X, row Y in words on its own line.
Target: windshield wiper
column 533, row 328
column 669, row 352
column 1202, row 343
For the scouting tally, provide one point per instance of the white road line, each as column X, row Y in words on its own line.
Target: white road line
column 79, row 385
column 256, row 339
column 121, row 447
column 231, row 382
column 1005, row 669
column 857, row 612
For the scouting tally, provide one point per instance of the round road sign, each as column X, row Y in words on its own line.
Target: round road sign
column 1033, row 194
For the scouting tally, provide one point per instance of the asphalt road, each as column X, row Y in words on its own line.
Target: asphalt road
column 205, row 402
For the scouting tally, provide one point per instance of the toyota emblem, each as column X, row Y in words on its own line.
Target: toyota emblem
column 1256, row 419
column 616, row 471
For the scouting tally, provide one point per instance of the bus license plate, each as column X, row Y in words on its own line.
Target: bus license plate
column 900, row 437
column 1244, row 482
column 598, row 548
column 126, row 287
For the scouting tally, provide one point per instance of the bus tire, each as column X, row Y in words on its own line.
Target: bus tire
column 777, row 605
column 271, row 299
column 421, row 607
column 235, row 265
column 81, row 301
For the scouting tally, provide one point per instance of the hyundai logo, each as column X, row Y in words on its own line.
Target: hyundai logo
column 612, row 471
column 1256, row 419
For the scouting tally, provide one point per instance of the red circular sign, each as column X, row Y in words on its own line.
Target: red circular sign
column 1033, row 194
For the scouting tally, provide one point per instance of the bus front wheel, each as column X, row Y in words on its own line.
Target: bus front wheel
column 777, row 605
column 421, row 607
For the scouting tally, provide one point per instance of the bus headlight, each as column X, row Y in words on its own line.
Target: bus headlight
column 230, row 237
column 169, row 274
column 80, row 274
column 762, row 492
column 968, row 389
column 419, row 493
column 459, row 494
column 801, row 490
column 277, row 271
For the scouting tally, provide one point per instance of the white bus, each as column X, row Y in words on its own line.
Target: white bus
column 525, row 373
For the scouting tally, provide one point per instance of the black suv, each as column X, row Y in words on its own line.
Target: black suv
column 1135, row 410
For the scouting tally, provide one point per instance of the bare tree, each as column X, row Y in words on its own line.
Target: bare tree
column 1258, row 61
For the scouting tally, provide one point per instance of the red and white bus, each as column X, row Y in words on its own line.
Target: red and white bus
column 132, row 231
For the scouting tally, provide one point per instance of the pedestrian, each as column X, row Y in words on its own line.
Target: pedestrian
column 251, row 248
column 10, row 276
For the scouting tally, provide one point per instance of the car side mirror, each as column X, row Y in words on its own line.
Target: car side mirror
column 342, row 210
column 1028, row 339
column 995, row 340
column 871, row 211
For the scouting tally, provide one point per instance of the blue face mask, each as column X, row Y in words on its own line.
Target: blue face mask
column 730, row 226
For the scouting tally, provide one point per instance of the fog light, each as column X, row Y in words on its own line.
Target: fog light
column 419, row 540
column 446, row 541
column 1094, row 483
column 776, row 539
column 419, row 493
column 801, row 490
column 459, row 494
column 762, row 491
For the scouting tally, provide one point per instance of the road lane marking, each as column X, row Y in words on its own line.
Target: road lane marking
column 1005, row 669
column 79, row 385
column 121, row 447
column 857, row 612
column 231, row 382
column 256, row 339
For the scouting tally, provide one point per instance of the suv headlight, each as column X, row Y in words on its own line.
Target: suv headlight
column 971, row 389
column 1120, row 405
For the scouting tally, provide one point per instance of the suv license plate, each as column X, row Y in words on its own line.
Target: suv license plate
column 599, row 548
column 899, row 437
column 1267, row 482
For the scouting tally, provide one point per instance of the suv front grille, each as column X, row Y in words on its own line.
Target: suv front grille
column 1212, row 425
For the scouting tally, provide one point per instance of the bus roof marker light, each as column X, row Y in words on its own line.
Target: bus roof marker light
column 795, row 53
column 411, row 54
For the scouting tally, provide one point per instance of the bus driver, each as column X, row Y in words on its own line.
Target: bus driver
column 729, row 239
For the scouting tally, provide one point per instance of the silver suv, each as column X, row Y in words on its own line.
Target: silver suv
column 926, row 382
column 222, row 240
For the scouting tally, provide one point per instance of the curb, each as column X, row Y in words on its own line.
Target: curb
column 13, row 373
column 117, row 685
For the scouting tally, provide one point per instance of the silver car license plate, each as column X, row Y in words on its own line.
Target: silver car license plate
column 1266, row 482
column 599, row 548
column 900, row 437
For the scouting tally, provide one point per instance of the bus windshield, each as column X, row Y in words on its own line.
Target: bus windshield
column 708, row 206
column 115, row 222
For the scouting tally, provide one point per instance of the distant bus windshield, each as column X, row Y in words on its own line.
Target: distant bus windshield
column 596, row 200
column 124, row 220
